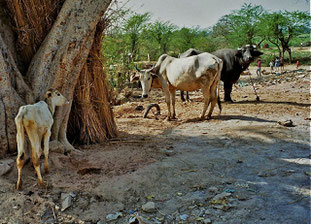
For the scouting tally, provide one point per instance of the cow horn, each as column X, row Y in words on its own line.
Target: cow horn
column 239, row 48
column 254, row 46
column 137, row 68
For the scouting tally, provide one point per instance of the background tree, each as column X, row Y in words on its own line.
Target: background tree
column 44, row 44
column 162, row 33
column 241, row 26
column 279, row 28
column 132, row 30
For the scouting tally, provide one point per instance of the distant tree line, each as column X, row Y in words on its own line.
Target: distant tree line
column 138, row 38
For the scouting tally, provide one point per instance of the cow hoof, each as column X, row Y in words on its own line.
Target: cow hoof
column 229, row 100
column 19, row 185
column 41, row 184
column 47, row 170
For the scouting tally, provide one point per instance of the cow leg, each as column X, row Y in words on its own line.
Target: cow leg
column 173, row 95
column 35, row 145
column 182, row 96
column 228, row 90
column 187, row 96
column 166, row 92
column 46, row 151
column 213, row 97
column 20, row 137
column 206, row 96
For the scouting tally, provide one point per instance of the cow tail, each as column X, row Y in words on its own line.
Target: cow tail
column 20, row 131
column 220, row 65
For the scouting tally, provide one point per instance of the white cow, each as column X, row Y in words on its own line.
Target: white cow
column 192, row 73
column 36, row 120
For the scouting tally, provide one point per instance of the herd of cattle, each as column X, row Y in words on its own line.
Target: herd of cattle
column 195, row 70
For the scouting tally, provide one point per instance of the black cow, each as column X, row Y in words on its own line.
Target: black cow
column 235, row 62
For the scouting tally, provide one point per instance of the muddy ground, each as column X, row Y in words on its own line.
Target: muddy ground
column 241, row 167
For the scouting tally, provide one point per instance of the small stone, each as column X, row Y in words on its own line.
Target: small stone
column 207, row 212
column 287, row 123
column 207, row 221
column 133, row 220
column 213, row 189
column 66, row 201
column 184, row 217
column 167, row 152
column 6, row 166
column 114, row 216
column 267, row 174
column 73, row 195
column 221, row 196
column 149, row 207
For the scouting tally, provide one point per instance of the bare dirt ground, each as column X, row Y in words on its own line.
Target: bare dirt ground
column 241, row 167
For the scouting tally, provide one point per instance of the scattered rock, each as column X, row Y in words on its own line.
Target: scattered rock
column 6, row 166
column 114, row 216
column 184, row 217
column 229, row 190
column 149, row 207
column 267, row 173
column 287, row 123
column 167, row 152
column 243, row 196
column 73, row 195
column 48, row 217
column 213, row 189
column 66, row 201
column 139, row 220
column 207, row 221
column 221, row 196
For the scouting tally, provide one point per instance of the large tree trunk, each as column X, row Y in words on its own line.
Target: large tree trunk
column 91, row 119
column 57, row 63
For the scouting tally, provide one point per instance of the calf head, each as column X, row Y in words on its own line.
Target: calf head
column 248, row 53
column 145, row 77
column 55, row 97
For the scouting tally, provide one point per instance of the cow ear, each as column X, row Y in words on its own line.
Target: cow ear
column 48, row 94
column 134, row 77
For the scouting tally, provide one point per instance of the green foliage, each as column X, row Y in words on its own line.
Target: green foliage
column 280, row 28
column 161, row 33
column 241, row 26
column 134, row 38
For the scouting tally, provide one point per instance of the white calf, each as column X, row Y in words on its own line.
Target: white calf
column 36, row 120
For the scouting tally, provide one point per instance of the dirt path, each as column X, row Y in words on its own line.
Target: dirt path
column 242, row 167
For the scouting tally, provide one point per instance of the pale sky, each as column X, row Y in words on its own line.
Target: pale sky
column 205, row 13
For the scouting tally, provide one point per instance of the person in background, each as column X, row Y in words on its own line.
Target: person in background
column 277, row 64
column 297, row 64
column 281, row 64
column 258, row 72
column 271, row 64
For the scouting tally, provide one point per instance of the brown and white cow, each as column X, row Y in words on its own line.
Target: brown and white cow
column 36, row 120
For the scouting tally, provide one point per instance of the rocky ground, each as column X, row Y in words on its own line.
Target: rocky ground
column 249, row 165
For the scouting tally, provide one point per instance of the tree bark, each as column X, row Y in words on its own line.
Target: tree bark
column 57, row 63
